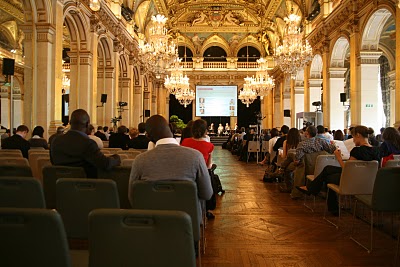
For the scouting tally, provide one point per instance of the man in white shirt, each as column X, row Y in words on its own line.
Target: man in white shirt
column 90, row 133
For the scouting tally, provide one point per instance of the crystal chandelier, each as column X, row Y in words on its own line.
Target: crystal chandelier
column 177, row 80
column 66, row 82
column 294, row 53
column 247, row 95
column 185, row 96
column 159, row 52
column 262, row 84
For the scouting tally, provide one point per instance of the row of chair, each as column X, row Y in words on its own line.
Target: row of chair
column 76, row 198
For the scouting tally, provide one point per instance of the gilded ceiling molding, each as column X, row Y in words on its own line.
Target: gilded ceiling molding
column 10, row 7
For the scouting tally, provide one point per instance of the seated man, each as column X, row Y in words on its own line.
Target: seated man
column 141, row 141
column 119, row 139
column 17, row 141
column 100, row 134
column 76, row 149
column 169, row 161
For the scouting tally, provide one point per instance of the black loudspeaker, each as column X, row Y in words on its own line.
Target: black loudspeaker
column 343, row 97
column 286, row 113
column 8, row 66
column 147, row 113
column 66, row 98
column 103, row 98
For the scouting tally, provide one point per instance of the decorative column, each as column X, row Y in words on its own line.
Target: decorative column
column 355, row 75
column 94, row 99
column 109, row 107
column 146, row 96
column 131, row 92
column 117, row 49
column 162, row 99
column 85, row 86
column 307, row 102
column 392, row 92
column 336, row 86
column 101, row 90
column 371, row 116
column 396, row 103
column 270, row 110
column 137, row 97
column 292, row 104
column 325, row 87
column 286, row 103
column 299, row 99
column 124, row 85
column 154, row 96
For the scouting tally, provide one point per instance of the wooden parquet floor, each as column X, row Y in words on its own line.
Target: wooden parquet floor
column 256, row 225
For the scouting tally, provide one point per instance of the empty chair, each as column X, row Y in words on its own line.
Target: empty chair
column 127, row 162
column 130, row 153
column 10, row 155
column 21, row 192
column 120, row 175
column 50, row 176
column 42, row 162
column 11, row 151
column 18, row 161
column 357, row 178
column 32, row 237
column 392, row 163
column 105, row 144
column 37, row 148
column 321, row 162
column 33, row 161
column 38, row 151
column 253, row 147
column 77, row 197
column 123, row 156
column 169, row 195
column 15, row 171
column 385, row 198
column 140, row 238
column 111, row 150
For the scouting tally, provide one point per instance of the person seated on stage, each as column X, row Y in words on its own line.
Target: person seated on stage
column 211, row 129
column 37, row 139
column 220, row 129
column 227, row 129
column 90, row 132
column 331, row 174
column 60, row 131
column 76, row 149
column 119, row 139
column 100, row 134
column 141, row 141
column 17, row 141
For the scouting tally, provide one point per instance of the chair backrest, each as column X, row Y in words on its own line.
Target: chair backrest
column 323, row 161
column 130, row 153
column 265, row 146
column 396, row 157
column 37, row 151
column 253, row 146
column 386, row 193
column 123, row 156
column 16, row 151
column 168, row 195
column 10, row 155
column 120, row 175
column 33, row 237
column 310, row 160
column 111, row 150
column 37, row 148
column 33, row 157
column 50, row 176
column 105, row 144
column 127, row 162
column 76, row 198
column 15, row 171
column 18, row 161
column 392, row 163
column 21, row 192
column 140, row 238
column 358, row 177
column 41, row 162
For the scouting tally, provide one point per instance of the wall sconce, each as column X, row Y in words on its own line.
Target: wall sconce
column 95, row 5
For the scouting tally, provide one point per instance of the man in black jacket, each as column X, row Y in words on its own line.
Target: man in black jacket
column 17, row 141
column 141, row 141
column 100, row 134
column 76, row 149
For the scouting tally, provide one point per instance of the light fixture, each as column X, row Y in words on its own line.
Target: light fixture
column 159, row 52
column 66, row 82
column 262, row 84
column 185, row 96
column 177, row 80
column 294, row 53
column 247, row 95
column 94, row 5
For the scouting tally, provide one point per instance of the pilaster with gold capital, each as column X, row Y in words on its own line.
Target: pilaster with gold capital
column 355, row 73
column 307, row 102
column 397, row 84
column 325, row 85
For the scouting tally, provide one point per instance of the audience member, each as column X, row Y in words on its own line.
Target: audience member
column 90, row 132
column 390, row 145
column 119, row 139
column 331, row 174
column 76, row 149
column 37, row 139
column 100, row 134
column 379, row 136
column 274, row 137
column 345, row 134
column 292, row 141
column 174, row 162
column 328, row 134
column 133, row 133
column 141, row 141
column 60, row 131
column 371, row 138
column 17, row 141
column 106, row 132
column 321, row 133
column 6, row 134
column 187, row 131
column 338, row 135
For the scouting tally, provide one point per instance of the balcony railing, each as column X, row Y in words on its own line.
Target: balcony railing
column 214, row 65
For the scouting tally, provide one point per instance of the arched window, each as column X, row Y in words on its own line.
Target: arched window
column 214, row 53
column 189, row 54
column 254, row 54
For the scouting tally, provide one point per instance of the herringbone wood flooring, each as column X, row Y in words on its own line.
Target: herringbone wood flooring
column 256, row 225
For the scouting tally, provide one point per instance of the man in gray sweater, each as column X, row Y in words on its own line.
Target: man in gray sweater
column 170, row 161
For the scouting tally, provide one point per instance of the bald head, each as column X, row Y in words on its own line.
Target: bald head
column 157, row 128
column 79, row 120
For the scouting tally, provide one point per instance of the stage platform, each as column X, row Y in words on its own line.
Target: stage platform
column 218, row 140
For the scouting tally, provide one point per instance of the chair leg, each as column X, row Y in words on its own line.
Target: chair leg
column 306, row 205
column 326, row 208
column 371, row 226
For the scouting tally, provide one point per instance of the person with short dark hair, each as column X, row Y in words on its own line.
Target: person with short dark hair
column 90, row 132
column 76, row 149
column 60, row 131
column 119, row 139
column 37, row 139
column 100, row 134
column 321, row 133
column 141, row 141
column 17, row 141
column 106, row 132
column 338, row 135
column 391, row 142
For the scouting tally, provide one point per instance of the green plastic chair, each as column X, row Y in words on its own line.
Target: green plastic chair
column 140, row 238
